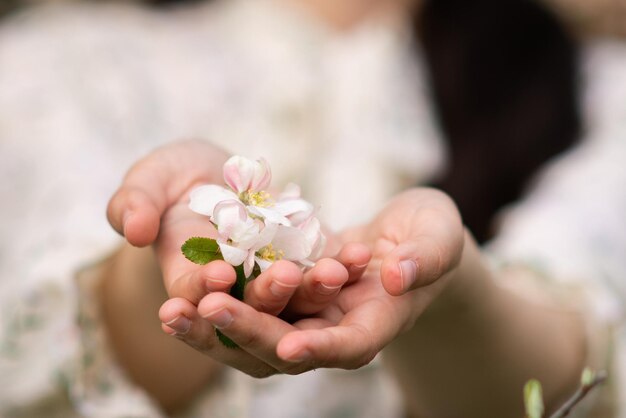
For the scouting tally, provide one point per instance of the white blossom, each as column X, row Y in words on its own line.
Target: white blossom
column 253, row 227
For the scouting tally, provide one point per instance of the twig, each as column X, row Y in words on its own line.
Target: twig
column 582, row 391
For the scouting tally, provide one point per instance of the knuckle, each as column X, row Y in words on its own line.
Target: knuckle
column 204, row 345
column 250, row 339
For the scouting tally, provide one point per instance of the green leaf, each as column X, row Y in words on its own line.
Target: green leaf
column 533, row 399
column 226, row 342
column 201, row 250
column 587, row 377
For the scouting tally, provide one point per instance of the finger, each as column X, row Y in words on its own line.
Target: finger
column 324, row 281
column 420, row 261
column 320, row 286
column 350, row 345
column 156, row 182
column 180, row 319
column 355, row 257
column 257, row 333
column 217, row 276
column 135, row 213
column 422, row 239
column 178, row 225
column 272, row 290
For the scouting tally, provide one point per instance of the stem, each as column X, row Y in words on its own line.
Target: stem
column 237, row 292
column 582, row 391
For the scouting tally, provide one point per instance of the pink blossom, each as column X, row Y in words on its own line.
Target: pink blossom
column 252, row 227
column 243, row 175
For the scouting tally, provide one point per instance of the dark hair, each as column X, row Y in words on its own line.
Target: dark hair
column 504, row 77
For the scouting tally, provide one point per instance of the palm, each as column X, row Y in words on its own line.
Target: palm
column 151, row 208
column 365, row 316
column 342, row 329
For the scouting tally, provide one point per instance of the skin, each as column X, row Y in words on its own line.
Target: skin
column 425, row 294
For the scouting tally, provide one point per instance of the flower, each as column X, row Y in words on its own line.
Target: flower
column 253, row 227
column 292, row 206
column 244, row 175
column 312, row 231
column 288, row 243
column 204, row 199
column 245, row 179
column 240, row 236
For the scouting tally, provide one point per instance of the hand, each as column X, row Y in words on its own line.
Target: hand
column 417, row 243
column 151, row 208
column 152, row 203
column 257, row 357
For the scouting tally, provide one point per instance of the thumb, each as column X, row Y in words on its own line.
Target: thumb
column 157, row 182
column 419, row 262
column 135, row 212
column 421, row 238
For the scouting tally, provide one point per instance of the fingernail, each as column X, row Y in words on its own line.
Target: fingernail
column 327, row 290
column 408, row 273
column 280, row 289
column 180, row 324
column 127, row 215
column 212, row 284
column 301, row 355
column 220, row 318
column 354, row 268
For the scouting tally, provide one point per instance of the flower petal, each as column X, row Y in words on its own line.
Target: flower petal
column 232, row 255
column 203, row 199
column 246, row 234
column 242, row 174
column 314, row 236
column 266, row 236
column 292, row 243
column 262, row 175
column 248, row 264
column 232, row 174
column 263, row 263
column 308, row 263
column 227, row 214
column 296, row 210
column 269, row 215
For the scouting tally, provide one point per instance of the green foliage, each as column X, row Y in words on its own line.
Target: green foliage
column 533, row 399
column 201, row 250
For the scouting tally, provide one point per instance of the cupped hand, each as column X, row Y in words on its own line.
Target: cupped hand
column 417, row 243
column 151, row 207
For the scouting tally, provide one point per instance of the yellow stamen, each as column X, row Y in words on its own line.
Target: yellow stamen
column 261, row 198
column 270, row 254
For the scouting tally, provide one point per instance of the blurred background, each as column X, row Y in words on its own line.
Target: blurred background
column 354, row 100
